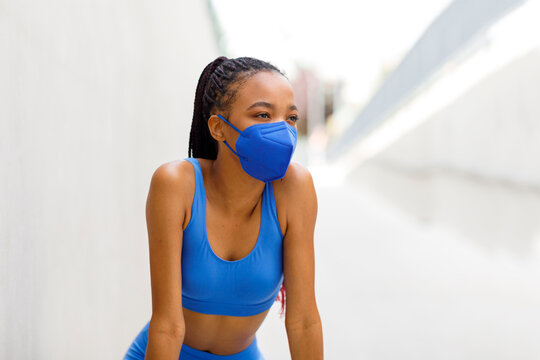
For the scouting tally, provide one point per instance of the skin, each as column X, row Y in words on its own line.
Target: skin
column 233, row 221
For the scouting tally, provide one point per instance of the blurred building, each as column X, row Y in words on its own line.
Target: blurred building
column 308, row 94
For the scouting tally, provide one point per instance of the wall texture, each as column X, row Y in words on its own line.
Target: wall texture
column 94, row 95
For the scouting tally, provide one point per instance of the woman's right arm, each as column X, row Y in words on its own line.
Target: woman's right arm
column 165, row 212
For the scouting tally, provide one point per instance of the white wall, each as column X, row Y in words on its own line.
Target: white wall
column 468, row 180
column 474, row 165
column 94, row 95
column 492, row 130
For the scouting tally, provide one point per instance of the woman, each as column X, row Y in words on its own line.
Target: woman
column 247, row 216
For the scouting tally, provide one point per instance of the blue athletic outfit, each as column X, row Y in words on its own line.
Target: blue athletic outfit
column 213, row 285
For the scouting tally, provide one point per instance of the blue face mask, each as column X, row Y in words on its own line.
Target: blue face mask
column 265, row 150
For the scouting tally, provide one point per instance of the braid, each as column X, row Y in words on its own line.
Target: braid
column 215, row 92
column 197, row 146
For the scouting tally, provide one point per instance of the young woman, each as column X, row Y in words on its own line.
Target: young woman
column 232, row 225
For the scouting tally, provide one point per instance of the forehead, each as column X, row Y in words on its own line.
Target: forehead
column 266, row 85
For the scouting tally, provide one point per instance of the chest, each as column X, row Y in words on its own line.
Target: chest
column 232, row 237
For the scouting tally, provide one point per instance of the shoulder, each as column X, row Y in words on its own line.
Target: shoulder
column 173, row 185
column 295, row 192
column 174, row 175
column 296, row 178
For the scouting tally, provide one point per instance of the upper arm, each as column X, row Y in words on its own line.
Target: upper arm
column 298, row 248
column 165, row 213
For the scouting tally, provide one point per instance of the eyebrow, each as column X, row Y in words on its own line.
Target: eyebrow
column 268, row 105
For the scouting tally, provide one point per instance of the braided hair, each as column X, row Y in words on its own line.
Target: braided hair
column 216, row 91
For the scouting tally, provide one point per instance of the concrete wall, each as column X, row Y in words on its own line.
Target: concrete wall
column 473, row 166
column 490, row 131
column 455, row 29
column 94, row 95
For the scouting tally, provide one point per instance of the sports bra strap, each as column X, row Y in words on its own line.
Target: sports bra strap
column 271, row 201
column 198, row 198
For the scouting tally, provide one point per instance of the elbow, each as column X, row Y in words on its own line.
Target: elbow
column 177, row 333
column 303, row 322
column 302, row 326
column 172, row 330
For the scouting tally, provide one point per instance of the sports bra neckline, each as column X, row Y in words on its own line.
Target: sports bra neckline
column 206, row 238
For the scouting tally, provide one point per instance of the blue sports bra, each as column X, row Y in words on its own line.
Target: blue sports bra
column 242, row 287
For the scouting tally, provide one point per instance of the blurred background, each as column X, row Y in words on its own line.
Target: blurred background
column 420, row 122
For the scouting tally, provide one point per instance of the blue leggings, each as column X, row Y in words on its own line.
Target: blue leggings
column 137, row 350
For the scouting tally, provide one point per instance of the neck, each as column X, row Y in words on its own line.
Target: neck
column 230, row 187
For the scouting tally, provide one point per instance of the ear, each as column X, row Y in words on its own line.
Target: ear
column 215, row 126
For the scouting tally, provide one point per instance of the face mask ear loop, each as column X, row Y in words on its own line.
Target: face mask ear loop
column 235, row 128
column 232, row 149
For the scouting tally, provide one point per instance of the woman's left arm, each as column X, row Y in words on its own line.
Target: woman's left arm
column 302, row 320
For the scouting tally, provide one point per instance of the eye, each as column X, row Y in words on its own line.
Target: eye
column 293, row 118
column 263, row 115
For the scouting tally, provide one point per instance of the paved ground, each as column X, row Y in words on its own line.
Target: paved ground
column 393, row 287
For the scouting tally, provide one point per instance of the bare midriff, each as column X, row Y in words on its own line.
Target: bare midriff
column 220, row 334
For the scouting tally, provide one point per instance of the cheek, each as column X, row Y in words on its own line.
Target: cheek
column 231, row 135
